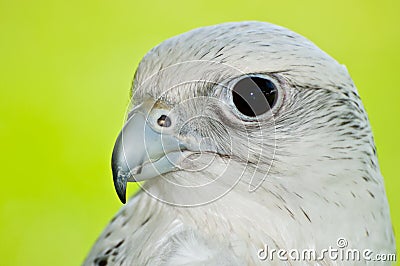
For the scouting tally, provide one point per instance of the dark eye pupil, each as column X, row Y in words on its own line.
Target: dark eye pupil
column 254, row 96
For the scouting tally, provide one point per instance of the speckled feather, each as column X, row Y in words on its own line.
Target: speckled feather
column 324, row 181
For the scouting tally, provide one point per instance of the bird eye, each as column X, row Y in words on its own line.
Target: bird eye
column 254, row 96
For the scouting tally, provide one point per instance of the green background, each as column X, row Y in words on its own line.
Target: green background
column 66, row 69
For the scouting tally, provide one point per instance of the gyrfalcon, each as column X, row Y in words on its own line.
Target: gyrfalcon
column 248, row 138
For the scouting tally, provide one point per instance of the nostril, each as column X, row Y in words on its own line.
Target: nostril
column 164, row 121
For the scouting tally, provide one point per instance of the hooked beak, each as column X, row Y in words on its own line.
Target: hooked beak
column 143, row 151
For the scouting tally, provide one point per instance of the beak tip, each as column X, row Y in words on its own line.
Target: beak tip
column 122, row 196
column 120, row 181
column 122, row 199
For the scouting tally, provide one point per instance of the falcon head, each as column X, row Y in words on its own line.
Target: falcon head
column 241, row 106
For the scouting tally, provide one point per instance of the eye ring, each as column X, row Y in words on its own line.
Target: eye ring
column 253, row 96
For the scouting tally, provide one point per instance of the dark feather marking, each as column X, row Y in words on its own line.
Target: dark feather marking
column 119, row 243
column 298, row 195
column 145, row 221
column 215, row 57
column 308, row 218
column 279, row 197
column 220, row 49
column 113, row 219
column 290, row 212
column 370, row 193
column 101, row 261
column 202, row 56
column 367, row 179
